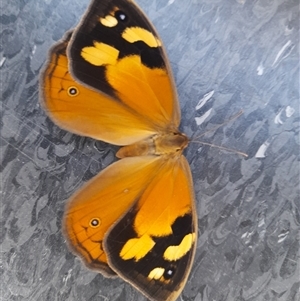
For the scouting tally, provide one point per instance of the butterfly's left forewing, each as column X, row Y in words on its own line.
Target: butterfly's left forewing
column 152, row 246
column 116, row 50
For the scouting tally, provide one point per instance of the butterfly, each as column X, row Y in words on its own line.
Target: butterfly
column 110, row 79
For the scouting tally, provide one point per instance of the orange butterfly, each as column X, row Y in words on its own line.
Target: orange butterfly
column 110, row 80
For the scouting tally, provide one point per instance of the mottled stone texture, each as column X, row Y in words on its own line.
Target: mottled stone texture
column 247, row 53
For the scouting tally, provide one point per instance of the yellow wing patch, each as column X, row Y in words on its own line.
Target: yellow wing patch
column 156, row 273
column 109, row 21
column 100, row 54
column 173, row 253
column 135, row 34
column 137, row 248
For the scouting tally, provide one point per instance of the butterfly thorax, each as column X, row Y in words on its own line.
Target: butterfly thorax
column 172, row 143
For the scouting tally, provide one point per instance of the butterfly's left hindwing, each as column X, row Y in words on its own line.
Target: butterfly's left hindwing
column 83, row 111
column 92, row 211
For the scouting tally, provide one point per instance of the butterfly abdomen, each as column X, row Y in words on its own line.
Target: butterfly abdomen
column 160, row 144
column 140, row 148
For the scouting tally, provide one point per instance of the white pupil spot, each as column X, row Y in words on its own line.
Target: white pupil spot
column 169, row 273
column 72, row 91
column 120, row 16
column 95, row 222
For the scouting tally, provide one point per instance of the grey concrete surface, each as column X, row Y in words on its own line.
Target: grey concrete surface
column 226, row 56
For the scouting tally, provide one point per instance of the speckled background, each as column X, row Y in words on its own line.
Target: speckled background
column 226, row 56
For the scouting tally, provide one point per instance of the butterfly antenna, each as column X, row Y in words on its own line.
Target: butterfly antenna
column 214, row 129
column 222, row 147
column 237, row 115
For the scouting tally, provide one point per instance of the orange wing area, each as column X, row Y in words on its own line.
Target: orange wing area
column 152, row 246
column 84, row 111
column 101, row 202
column 147, row 91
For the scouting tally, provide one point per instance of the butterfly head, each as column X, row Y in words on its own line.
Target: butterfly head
column 170, row 143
